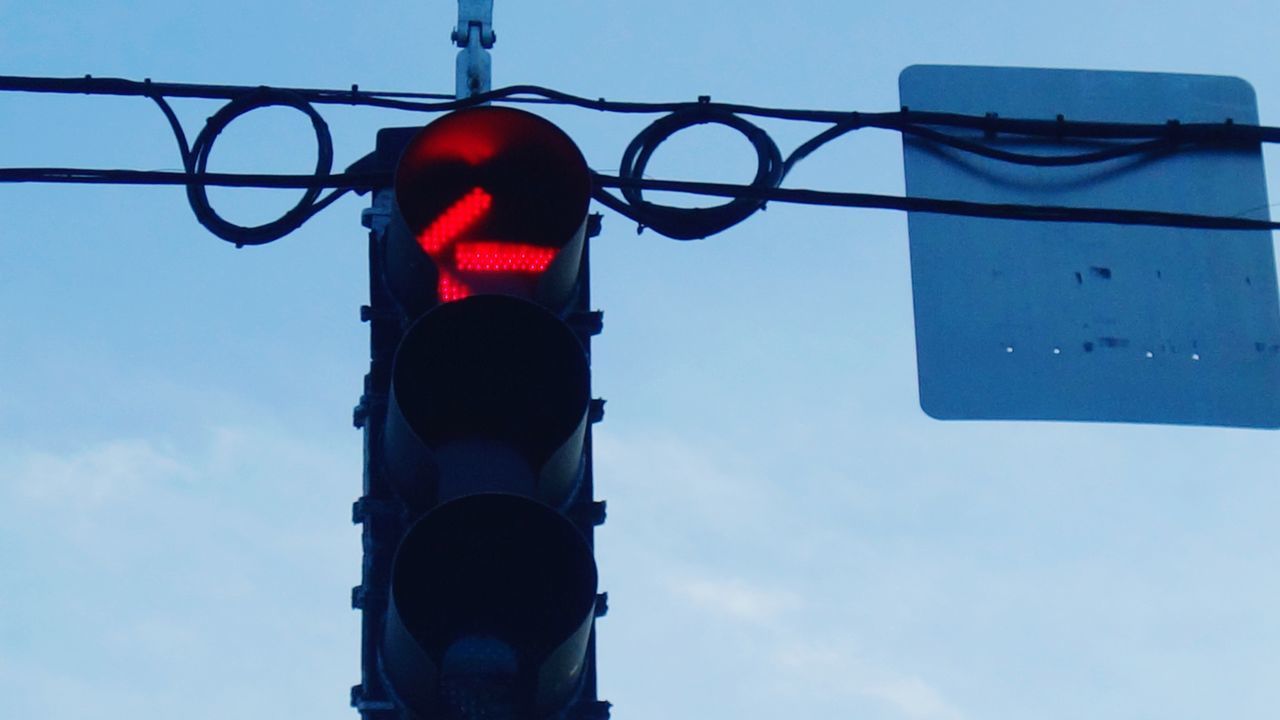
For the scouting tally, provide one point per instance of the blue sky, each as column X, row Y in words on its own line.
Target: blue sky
column 789, row 535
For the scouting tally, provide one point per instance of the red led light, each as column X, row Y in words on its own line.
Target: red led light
column 450, row 288
column 497, row 257
column 469, row 143
column 455, row 220
column 443, row 241
column 494, row 197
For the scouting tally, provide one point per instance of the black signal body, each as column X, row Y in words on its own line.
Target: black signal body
column 479, row 582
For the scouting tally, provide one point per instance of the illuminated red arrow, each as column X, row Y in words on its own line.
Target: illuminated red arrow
column 441, row 240
column 503, row 257
column 457, row 219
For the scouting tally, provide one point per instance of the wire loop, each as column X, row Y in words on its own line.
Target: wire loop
column 682, row 223
column 197, row 161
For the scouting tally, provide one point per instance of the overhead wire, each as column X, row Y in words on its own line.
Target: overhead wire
column 417, row 101
column 1111, row 141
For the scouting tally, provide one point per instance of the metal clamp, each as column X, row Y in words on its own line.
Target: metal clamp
column 477, row 15
column 474, row 34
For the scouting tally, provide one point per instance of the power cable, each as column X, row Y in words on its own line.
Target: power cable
column 197, row 161
column 1113, row 141
column 1004, row 211
column 366, row 181
column 682, row 223
column 1059, row 127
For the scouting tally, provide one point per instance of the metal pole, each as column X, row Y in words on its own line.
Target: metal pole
column 474, row 34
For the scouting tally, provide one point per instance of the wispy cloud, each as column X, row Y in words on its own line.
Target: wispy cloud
column 692, row 503
column 136, row 558
column 734, row 598
column 830, row 670
column 90, row 476
column 807, row 664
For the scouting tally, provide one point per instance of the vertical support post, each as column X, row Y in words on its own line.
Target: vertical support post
column 474, row 34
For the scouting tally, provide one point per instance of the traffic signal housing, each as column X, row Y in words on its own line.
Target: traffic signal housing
column 479, row 585
column 490, row 200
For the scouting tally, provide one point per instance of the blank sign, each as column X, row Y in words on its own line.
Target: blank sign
column 1025, row 320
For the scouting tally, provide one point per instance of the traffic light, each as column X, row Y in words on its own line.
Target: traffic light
column 490, row 200
column 479, row 585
